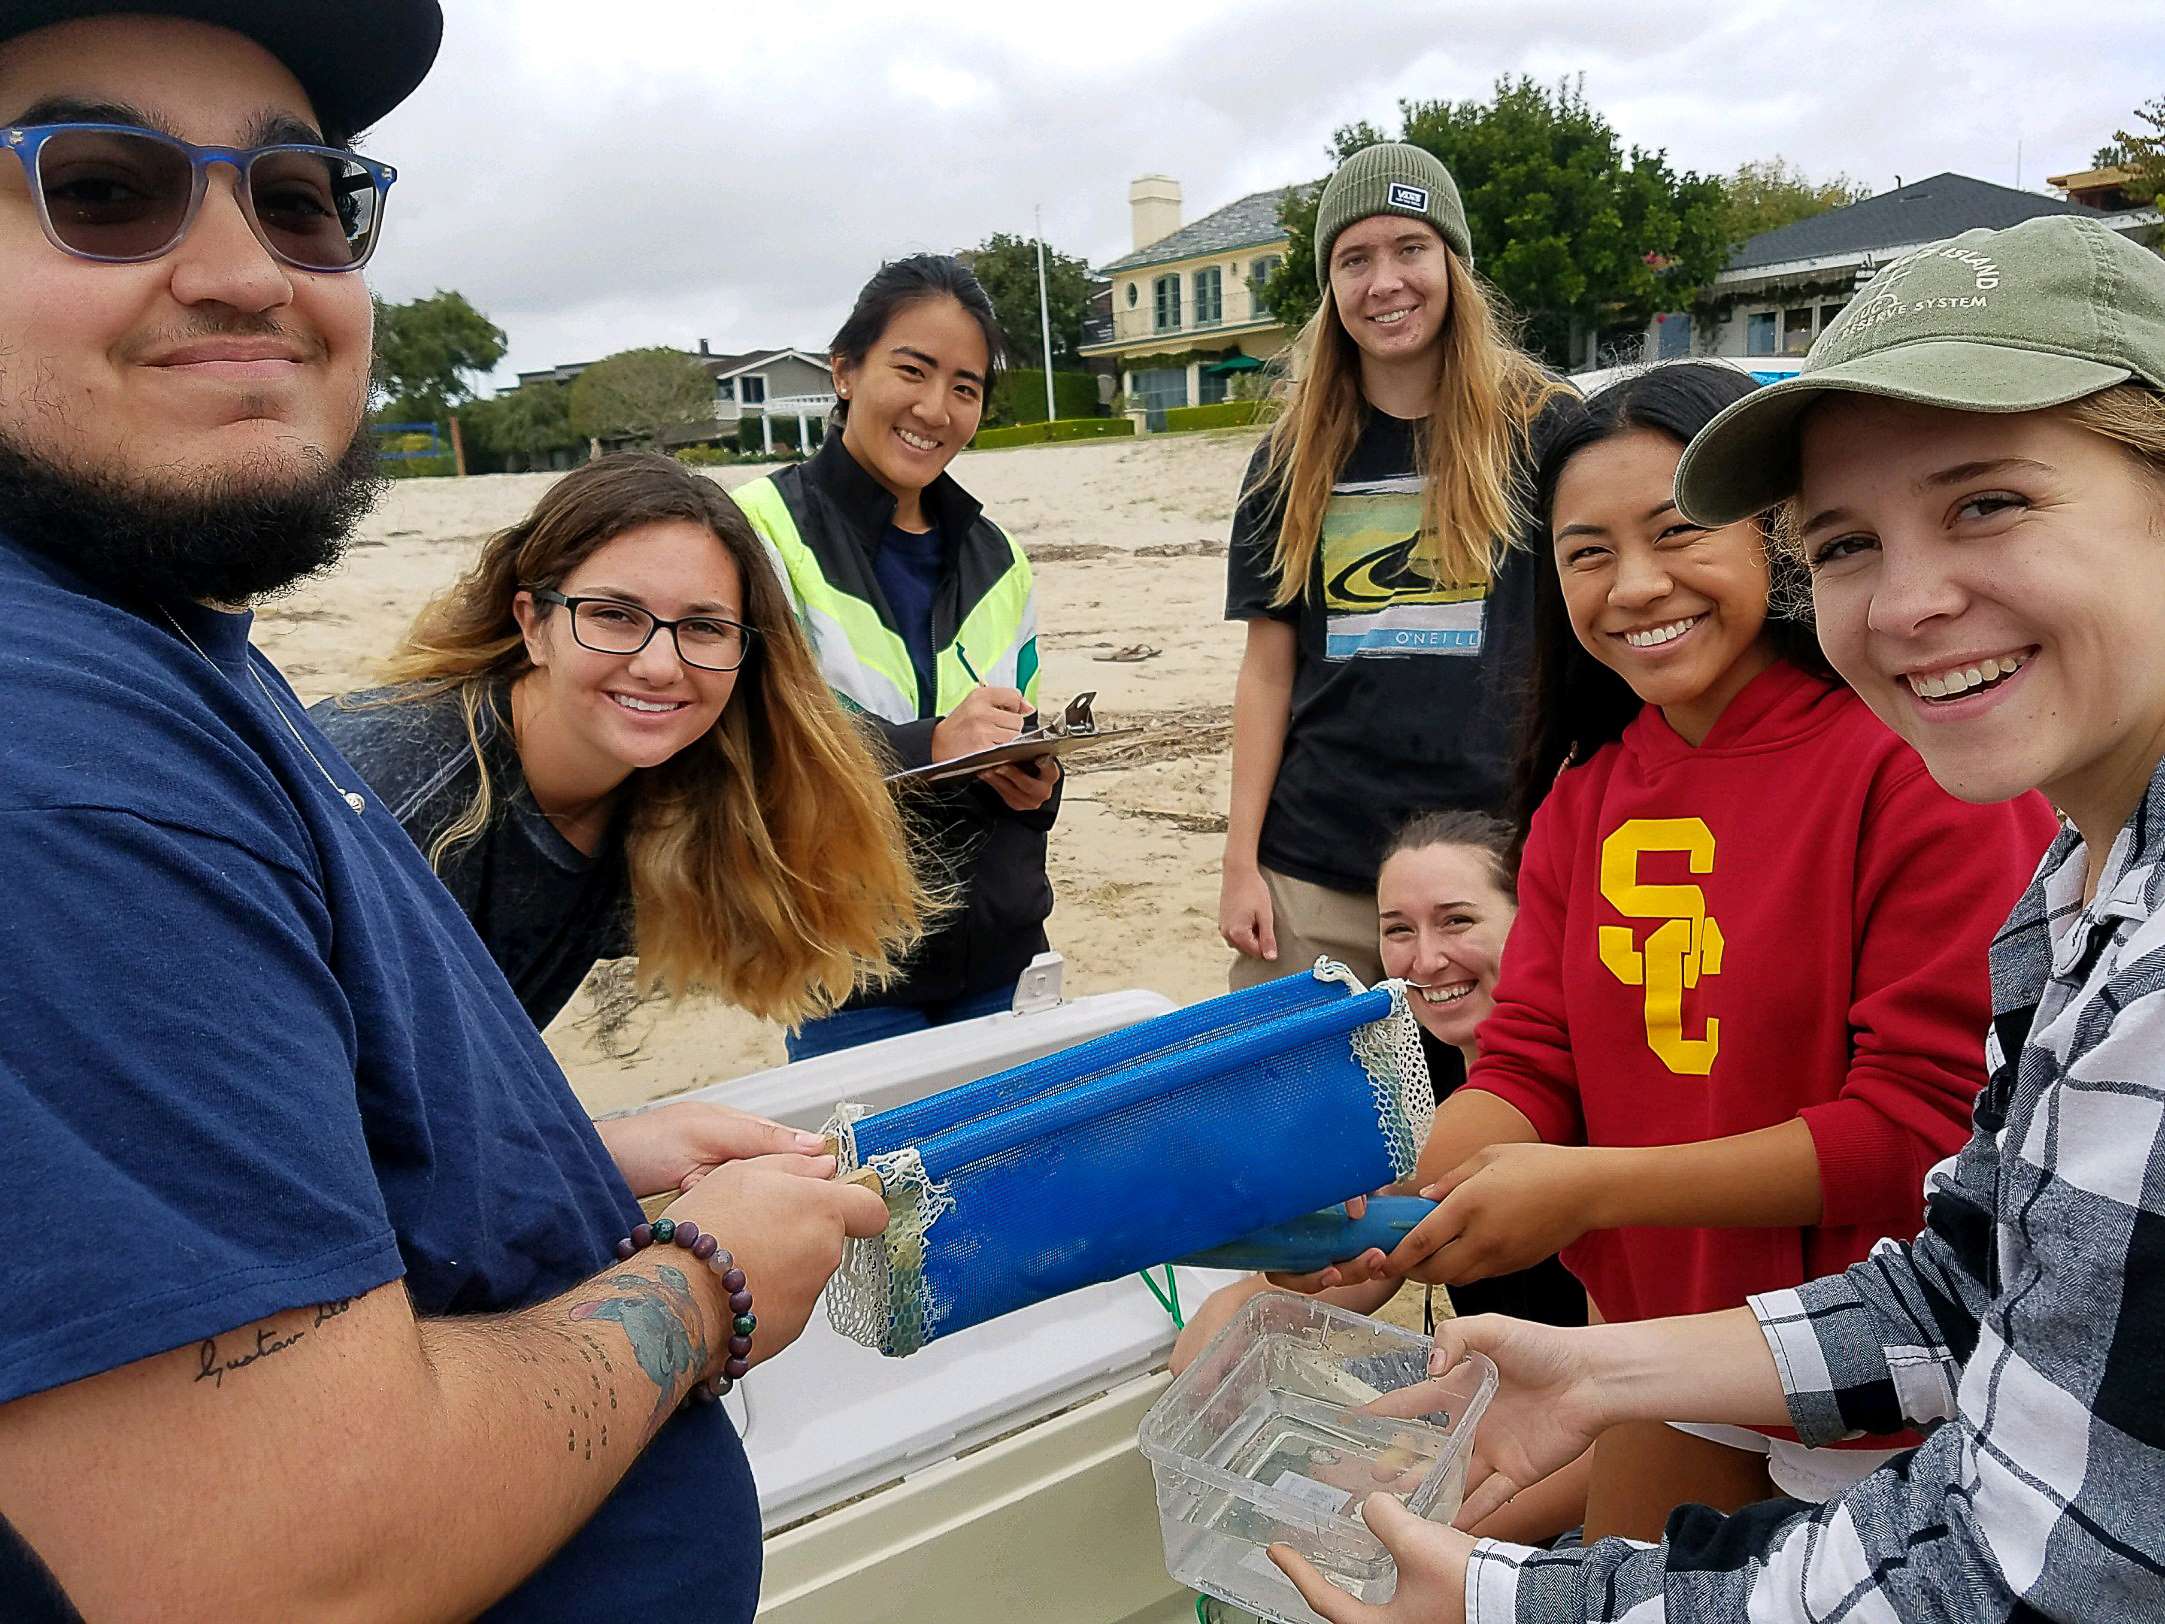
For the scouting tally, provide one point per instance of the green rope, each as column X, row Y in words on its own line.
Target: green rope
column 1201, row 1617
column 1168, row 1299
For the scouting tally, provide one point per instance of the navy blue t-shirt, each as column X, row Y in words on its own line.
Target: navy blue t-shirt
column 907, row 564
column 253, row 1057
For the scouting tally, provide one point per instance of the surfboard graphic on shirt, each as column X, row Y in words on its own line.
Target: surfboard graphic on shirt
column 1378, row 600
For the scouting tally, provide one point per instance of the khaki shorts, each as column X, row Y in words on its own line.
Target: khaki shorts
column 1313, row 921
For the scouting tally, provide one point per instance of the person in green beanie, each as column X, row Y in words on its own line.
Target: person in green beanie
column 1972, row 467
column 1372, row 561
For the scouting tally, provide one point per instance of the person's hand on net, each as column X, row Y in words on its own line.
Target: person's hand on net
column 1505, row 1208
column 986, row 718
column 1358, row 1270
column 1431, row 1571
column 671, row 1147
column 1245, row 920
column 784, row 1218
column 1551, row 1403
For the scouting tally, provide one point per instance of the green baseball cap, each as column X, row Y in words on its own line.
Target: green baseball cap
column 1991, row 321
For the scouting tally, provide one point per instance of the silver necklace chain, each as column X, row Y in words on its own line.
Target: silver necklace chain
column 351, row 797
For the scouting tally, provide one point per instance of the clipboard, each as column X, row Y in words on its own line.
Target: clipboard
column 1073, row 728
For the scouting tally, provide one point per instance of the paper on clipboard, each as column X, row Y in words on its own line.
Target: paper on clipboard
column 1074, row 728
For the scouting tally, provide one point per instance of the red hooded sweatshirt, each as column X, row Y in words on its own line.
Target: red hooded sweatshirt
column 1789, row 920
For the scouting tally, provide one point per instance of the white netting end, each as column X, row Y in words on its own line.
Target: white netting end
column 1389, row 1050
column 878, row 1295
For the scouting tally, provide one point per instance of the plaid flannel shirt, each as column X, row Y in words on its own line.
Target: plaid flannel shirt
column 2025, row 1327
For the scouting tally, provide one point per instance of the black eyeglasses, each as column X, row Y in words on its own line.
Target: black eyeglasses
column 610, row 626
column 121, row 195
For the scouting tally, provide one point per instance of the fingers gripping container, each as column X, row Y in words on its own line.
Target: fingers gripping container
column 1144, row 1145
column 1280, row 1430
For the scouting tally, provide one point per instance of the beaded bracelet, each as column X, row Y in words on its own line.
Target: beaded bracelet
column 708, row 1250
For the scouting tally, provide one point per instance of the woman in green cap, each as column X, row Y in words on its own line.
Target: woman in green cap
column 1972, row 465
column 1387, row 620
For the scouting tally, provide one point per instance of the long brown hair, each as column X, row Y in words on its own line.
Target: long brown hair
column 769, row 864
column 1470, row 451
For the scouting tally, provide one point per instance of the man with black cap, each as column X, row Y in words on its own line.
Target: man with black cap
column 308, row 1305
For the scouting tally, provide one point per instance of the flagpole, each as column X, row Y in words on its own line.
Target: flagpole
column 1044, row 313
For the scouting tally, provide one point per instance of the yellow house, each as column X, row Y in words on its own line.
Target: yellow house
column 1185, row 316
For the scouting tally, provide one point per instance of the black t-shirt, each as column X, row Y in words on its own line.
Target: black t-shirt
column 1548, row 1293
column 545, row 910
column 1405, row 690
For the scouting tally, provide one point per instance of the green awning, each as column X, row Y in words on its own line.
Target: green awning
column 1233, row 363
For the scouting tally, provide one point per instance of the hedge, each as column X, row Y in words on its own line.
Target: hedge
column 1019, row 396
column 1225, row 414
column 1066, row 428
column 419, row 467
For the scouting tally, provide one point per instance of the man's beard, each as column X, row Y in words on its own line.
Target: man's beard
column 224, row 538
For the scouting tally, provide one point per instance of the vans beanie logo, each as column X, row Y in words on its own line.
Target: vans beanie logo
column 1390, row 178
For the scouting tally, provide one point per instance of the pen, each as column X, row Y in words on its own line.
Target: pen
column 961, row 655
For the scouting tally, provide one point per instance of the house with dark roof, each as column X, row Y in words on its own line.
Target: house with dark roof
column 1781, row 288
column 1185, row 317
column 794, row 383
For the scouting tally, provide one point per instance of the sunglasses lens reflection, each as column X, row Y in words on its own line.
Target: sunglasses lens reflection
column 315, row 209
column 113, row 196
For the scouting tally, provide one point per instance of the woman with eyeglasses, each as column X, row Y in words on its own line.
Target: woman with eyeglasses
column 609, row 737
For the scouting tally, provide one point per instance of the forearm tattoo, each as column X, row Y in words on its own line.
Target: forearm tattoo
column 661, row 1320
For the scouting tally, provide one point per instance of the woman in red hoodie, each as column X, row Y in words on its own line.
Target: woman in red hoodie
column 1739, row 1016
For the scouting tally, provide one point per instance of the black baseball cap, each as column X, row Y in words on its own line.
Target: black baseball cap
column 357, row 59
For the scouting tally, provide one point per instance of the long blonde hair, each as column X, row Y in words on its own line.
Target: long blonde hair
column 1470, row 451
column 769, row 864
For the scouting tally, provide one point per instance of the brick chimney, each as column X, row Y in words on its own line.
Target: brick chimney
column 1154, row 204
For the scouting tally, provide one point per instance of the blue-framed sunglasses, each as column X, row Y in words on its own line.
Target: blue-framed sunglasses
column 119, row 194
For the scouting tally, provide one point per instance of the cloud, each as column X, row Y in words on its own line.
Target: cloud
column 662, row 171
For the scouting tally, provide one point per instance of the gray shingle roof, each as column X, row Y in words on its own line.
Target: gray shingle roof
column 716, row 365
column 1922, row 211
column 1244, row 224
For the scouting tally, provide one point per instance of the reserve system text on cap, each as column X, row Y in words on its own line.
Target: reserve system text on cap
column 357, row 59
column 1390, row 178
column 1991, row 321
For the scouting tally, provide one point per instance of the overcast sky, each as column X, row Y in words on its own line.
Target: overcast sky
column 600, row 176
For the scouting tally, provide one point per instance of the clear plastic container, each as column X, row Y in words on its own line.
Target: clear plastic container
column 1276, row 1435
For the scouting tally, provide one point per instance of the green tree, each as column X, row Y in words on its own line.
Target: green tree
column 1008, row 268
column 427, row 353
column 1769, row 193
column 2143, row 153
column 530, row 422
column 641, row 395
column 1576, row 232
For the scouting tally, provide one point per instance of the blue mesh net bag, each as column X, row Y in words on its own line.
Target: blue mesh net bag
column 1156, row 1142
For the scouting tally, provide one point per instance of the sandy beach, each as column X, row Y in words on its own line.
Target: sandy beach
column 1128, row 541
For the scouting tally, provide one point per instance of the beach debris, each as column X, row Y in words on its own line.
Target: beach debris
column 1129, row 655
column 1069, row 552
